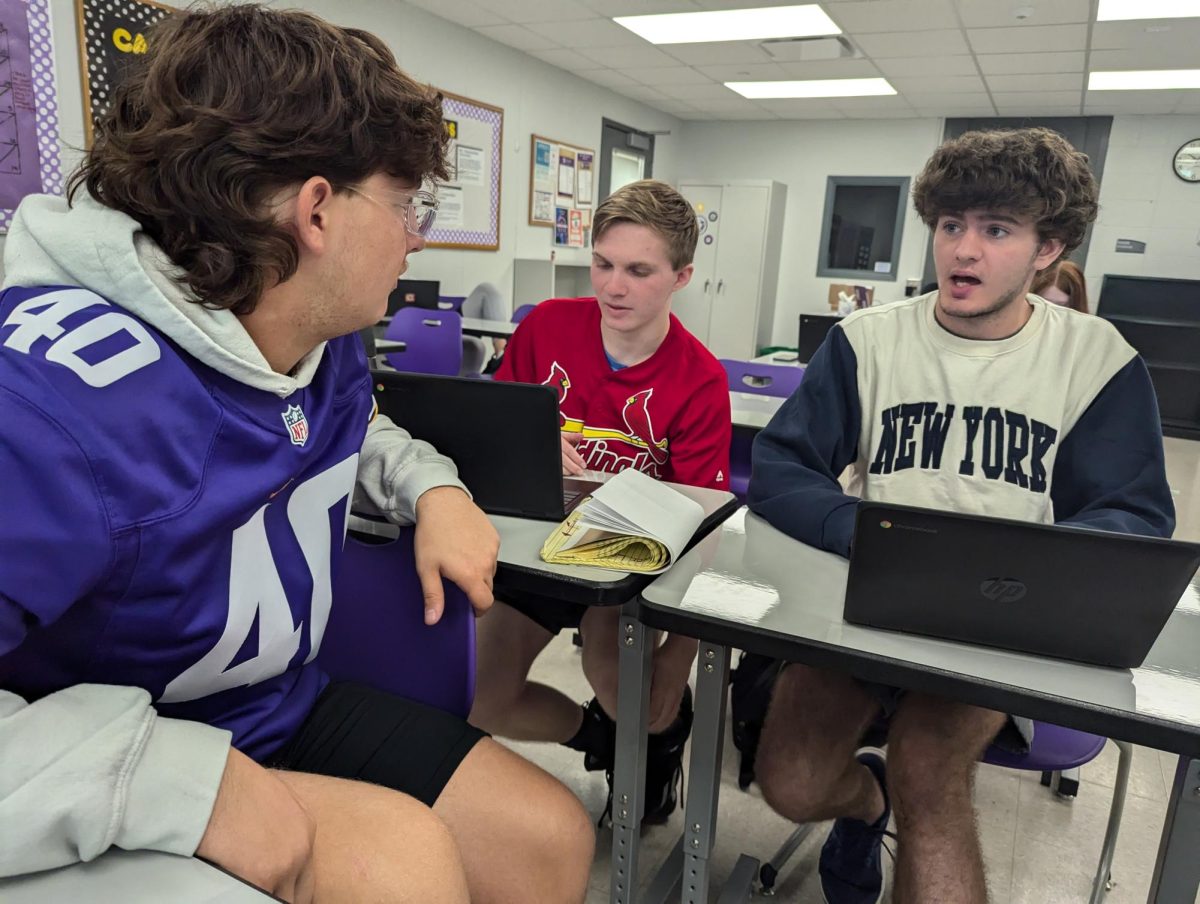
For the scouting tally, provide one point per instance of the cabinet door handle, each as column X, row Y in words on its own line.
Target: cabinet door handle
column 720, row 285
column 707, row 283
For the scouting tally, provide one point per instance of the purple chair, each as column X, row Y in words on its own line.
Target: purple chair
column 519, row 313
column 761, row 379
column 433, row 341
column 377, row 633
column 451, row 303
column 1055, row 750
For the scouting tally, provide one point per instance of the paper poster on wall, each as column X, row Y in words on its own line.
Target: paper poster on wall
column 575, row 227
column 583, row 169
column 561, row 226
column 543, row 206
column 566, row 173
column 469, row 165
column 450, row 208
column 29, row 157
column 543, row 165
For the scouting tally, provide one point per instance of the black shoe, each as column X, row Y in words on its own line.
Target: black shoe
column 664, row 768
column 596, row 738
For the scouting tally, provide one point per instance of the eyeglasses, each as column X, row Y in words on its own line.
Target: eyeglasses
column 417, row 211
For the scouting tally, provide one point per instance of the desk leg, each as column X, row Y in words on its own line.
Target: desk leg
column 629, row 771
column 704, row 770
column 1177, row 872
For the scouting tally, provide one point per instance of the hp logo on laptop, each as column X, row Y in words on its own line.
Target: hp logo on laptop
column 1003, row 590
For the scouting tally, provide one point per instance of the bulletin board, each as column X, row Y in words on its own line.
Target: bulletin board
column 112, row 33
column 29, row 154
column 561, row 176
column 469, row 203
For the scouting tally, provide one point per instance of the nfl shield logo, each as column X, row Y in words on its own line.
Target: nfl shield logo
column 297, row 424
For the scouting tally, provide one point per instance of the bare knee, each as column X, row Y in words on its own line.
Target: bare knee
column 570, row 849
column 600, row 654
column 507, row 644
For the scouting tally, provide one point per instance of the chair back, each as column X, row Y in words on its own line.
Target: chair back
column 453, row 303
column 377, row 634
column 433, row 341
column 1054, row 749
column 762, row 379
column 520, row 313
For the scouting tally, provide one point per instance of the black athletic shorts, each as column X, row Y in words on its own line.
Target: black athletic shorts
column 553, row 615
column 357, row 732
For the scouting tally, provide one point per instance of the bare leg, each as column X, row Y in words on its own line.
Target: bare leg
column 507, row 703
column 523, row 836
column 374, row 844
column 806, row 765
column 934, row 746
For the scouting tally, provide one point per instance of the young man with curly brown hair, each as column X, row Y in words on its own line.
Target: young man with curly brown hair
column 977, row 397
column 185, row 417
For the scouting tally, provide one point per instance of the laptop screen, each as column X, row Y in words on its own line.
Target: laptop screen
column 813, row 330
column 421, row 293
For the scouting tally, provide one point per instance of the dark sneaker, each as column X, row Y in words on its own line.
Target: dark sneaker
column 852, row 859
column 596, row 738
column 664, row 769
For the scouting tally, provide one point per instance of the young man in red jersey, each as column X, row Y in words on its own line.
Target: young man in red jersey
column 635, row 390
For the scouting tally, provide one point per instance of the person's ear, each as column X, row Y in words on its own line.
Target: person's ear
column 1049, row 251
column 683, row 277
column 311, row 215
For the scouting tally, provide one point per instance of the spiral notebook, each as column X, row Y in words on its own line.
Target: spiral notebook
column 631, row 523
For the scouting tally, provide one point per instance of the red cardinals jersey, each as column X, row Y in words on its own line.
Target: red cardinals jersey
column 668, row 416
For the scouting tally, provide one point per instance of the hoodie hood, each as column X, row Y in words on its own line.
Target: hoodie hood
column 51, row 243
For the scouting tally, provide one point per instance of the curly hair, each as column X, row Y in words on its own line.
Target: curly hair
column 658, row 207
column 1027, row 172
column 231, row 105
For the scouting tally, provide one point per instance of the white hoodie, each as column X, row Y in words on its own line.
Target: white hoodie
column 93, row 765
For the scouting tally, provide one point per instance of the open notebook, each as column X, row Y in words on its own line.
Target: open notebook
column 631, row 523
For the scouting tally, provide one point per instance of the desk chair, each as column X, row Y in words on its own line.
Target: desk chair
column 485, row 302
column 377, row 633
column 1054, row 750
column 433, row 339
column 452, row 303
column 759, row 379
column 519, row 313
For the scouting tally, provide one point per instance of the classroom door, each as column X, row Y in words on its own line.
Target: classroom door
column 626, row 155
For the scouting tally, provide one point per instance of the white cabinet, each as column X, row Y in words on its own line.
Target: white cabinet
column 730, row 303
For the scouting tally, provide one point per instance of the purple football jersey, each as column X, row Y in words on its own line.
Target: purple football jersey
column 163, row 525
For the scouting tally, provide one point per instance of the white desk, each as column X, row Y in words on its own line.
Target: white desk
column 753, row 411
column 773, row 358
column 132, row 877
column 477, row 326
column 751, row 587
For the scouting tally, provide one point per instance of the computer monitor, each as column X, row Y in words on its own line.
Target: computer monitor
column 1149, row 296
column 813, row 330
column 421, row 293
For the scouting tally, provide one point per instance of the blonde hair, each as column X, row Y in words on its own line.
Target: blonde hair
column 658, row 207
column 1067, row 277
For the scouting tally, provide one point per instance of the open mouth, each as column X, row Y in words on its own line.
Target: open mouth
column 962, row 282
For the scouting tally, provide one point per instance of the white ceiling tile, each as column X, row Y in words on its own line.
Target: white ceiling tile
column 675, row 107
column 587, row 33
column 1142, row 58
column 926, row 66
column 641, row 56
column 609, row 78
column 873, row 16
column 717, row 53
column 737, row 105
column 831, row 69
column 882, row 114
column 802, row 107
column 1026, row 110
column 565, row 59
column 671, row 75
column 1028, row 38
column 1032, row 63
column 526, row 11
column 751, row 72
column 741, row 4
column 990, row 14
column 1037, row 99
column 517, row 36
column 699, row 94
column 737, row 116
column 642, row 93
column 639, row 7
column 959, row 84
column 930, row 99
column 942, row 111
column 1065, row 81
column 1167, row 36
column 461, row 12
column 858, row 105
column 945, row 41
column 1134, row 101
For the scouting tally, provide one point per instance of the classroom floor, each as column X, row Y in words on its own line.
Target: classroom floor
column 1038, row 849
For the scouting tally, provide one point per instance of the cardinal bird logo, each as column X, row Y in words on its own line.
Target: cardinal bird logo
column 641, row 431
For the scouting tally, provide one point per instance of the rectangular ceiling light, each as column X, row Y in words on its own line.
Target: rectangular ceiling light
column 1145, row 80
column 732, row 25
column 826, row 87
column 1118, row 10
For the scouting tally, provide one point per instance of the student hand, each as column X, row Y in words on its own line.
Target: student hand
column 573, row 463
column 455, row 540
column 672, row 665
column 260, row 832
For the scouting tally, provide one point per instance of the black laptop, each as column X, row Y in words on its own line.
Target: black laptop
column 414, row 293
column 1065, row 592
column 503, row 437
column 813, row 330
